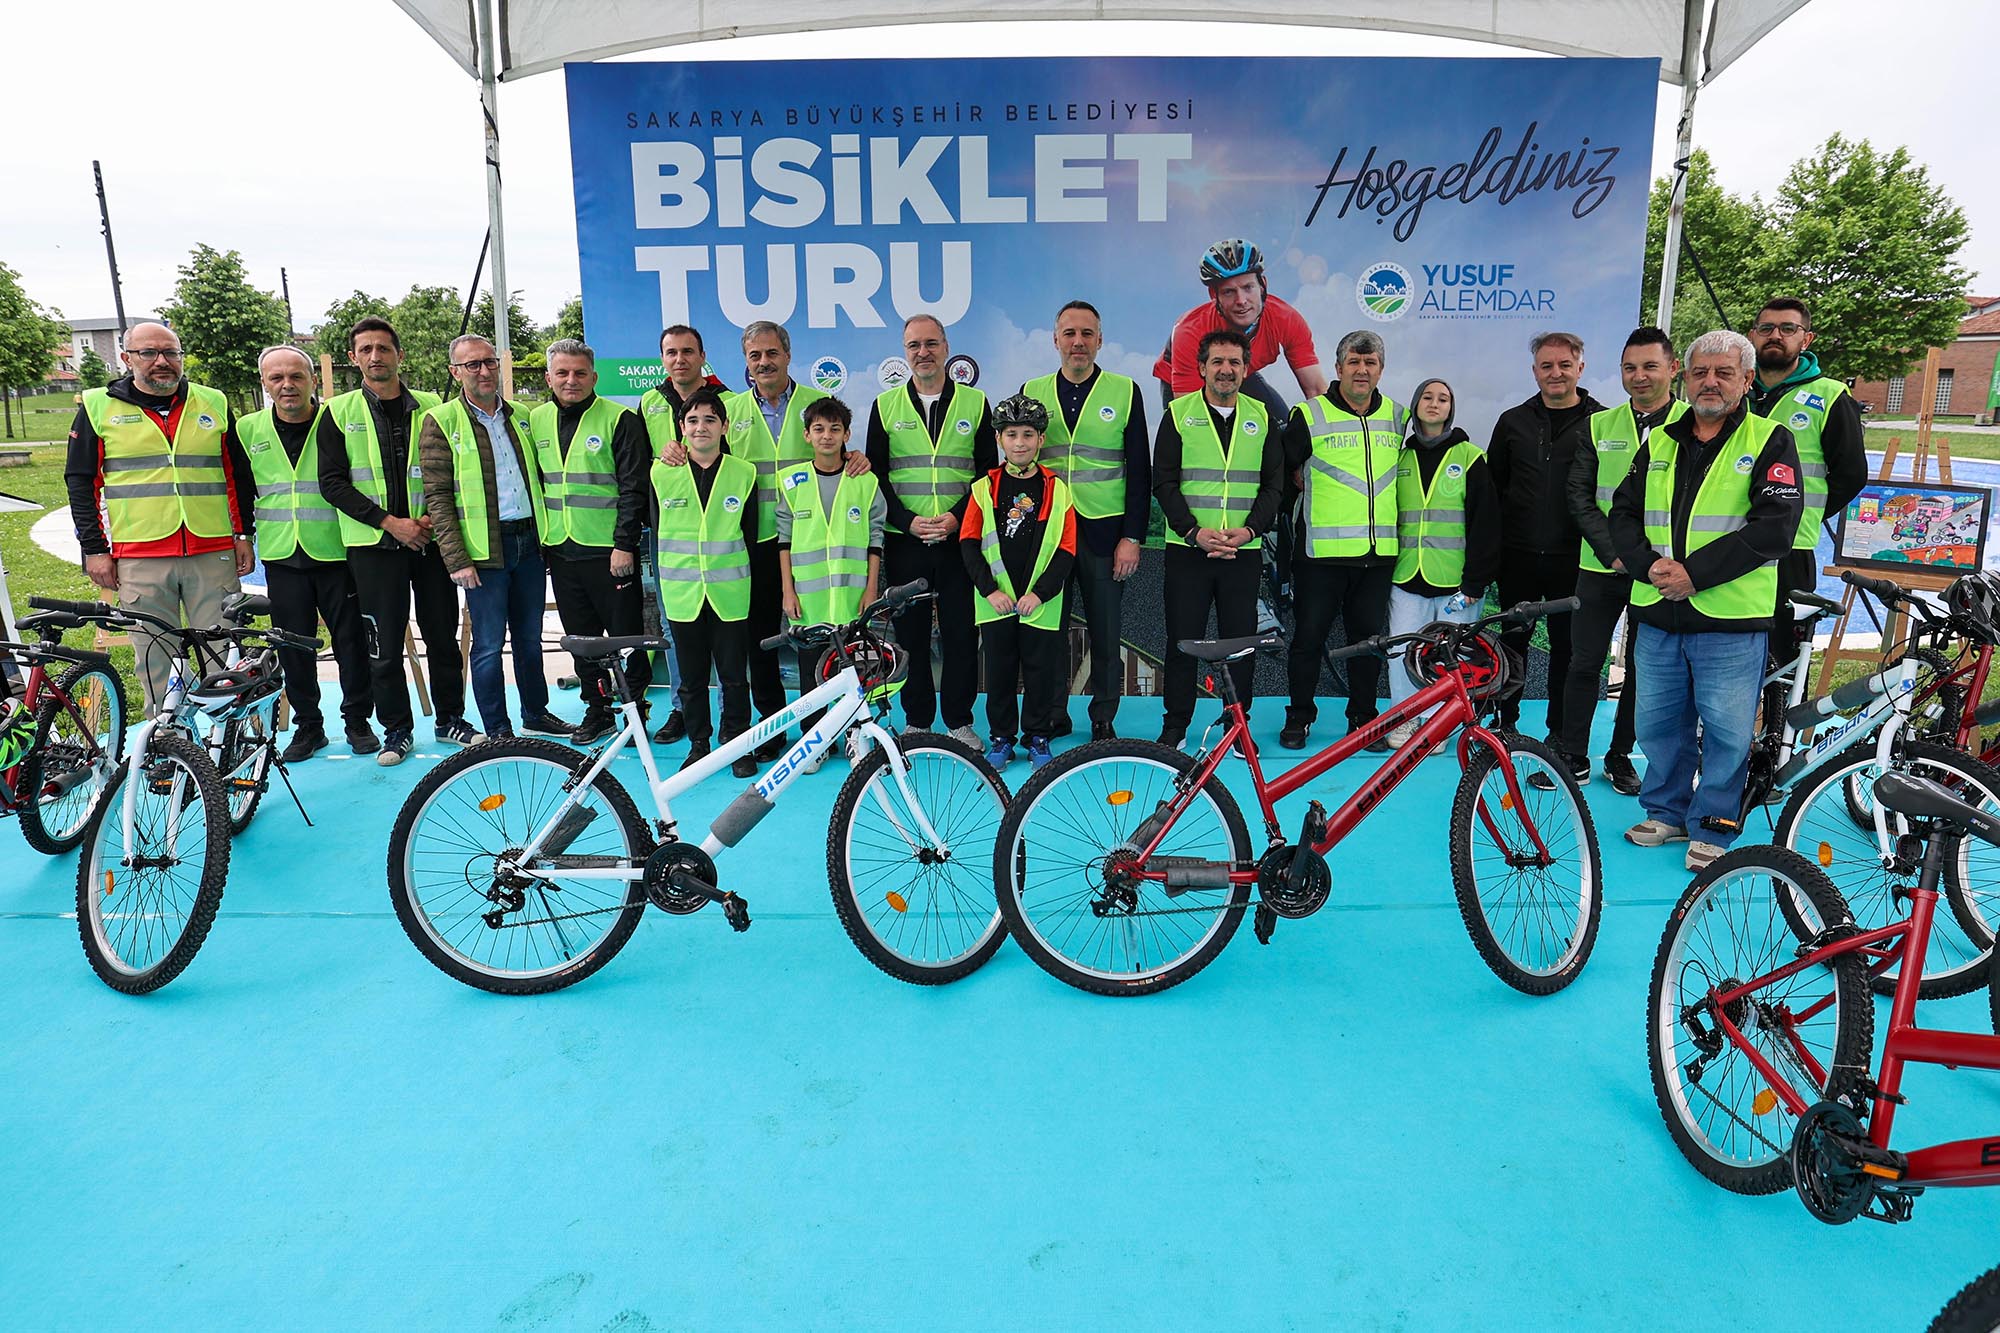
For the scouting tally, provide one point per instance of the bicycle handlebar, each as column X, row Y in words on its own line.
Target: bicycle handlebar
column 88, row 610
column 891, row 603
column 1529, row 612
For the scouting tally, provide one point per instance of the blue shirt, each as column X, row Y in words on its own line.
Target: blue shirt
column 774, row 413
column 510, row 485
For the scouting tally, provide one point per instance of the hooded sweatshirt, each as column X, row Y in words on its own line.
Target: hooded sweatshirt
column 1842, row 444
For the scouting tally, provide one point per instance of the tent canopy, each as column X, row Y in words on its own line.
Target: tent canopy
column 540, row 35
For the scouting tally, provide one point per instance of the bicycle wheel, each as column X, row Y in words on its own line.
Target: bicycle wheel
column 519, row 934
column 1817, row 824
column 1732, row 925
column 1533, row 924
column 1128, row 937
column 79, row 743
column 1934, row 713
column 1976, row 1308
column 246, row 765
column 142, row 923
column 920, row 914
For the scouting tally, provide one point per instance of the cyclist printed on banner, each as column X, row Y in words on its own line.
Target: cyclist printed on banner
column 1240, row 300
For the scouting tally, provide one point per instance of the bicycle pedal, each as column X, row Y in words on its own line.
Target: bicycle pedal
column 736, row 912
column 1265, row 922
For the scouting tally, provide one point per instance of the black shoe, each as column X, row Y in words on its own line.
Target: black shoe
column 1380, row 745
column 457, row 731
column 696, row 753
column 1624, row 778
column 1173, row 737
column 1296, row 729
column 1064, row 726
column 1101, row 731
column 771, row 749
column 673, row 729
column 745, row 766
column 596, row 725
column 548, row 724
column 361, row 738
column 306, row 741
column 1579, row 767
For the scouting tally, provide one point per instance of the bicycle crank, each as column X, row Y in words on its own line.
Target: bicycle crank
column 680, row 878
column 1837, row 1171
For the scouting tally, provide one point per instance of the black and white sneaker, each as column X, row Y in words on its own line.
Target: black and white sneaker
column 395, row 748
column 1624, row 777
column 457, row 731
column 547, row 724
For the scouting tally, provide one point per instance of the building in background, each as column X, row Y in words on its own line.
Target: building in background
column 1968, row 383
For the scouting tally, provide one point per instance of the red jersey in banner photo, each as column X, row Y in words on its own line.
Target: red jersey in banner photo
column 1281, row 331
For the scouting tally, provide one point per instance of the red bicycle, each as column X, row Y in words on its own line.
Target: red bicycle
column 1760, row 1024
column 62, row 740
column 1123, row 867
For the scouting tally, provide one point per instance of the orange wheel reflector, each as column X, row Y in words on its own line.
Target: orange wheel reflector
column 1826, row 854
column 107, row 883
column 1119, row 798
column 493, row 802
column 898, row 901
column 1764, row 1103
column 1506, row 800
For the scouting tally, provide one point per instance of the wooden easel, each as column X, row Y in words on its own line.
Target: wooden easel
column 1926, row 414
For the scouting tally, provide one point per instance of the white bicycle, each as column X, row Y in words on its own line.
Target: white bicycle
column 522, row 866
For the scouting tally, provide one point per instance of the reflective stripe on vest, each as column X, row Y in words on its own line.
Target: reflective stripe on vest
column 1092, row 460
column 1351, row 478
column 1049, row 614
column 150, row 494
column 750, row 439
column 702, row 554
column 829, row 551
column 468, row 477
column 1430, row 524
column 1220, row 484
column 930, row 476
column 350, row 412
column 580, row 486
column 1615, row 435
column 291, row 512
column 1802, row 409
column 1722, row 505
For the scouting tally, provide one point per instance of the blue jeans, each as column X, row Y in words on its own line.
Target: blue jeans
column 509, row 599
column 1713, row 679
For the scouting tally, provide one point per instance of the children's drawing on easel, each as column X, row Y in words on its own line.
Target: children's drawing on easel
column 1903, row 525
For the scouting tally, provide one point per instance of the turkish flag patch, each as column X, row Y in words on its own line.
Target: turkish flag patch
column 1782, row 474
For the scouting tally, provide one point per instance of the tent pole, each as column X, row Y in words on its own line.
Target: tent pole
column 1670, row 257
column 489, row 106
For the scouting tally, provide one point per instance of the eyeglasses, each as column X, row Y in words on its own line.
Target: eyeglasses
column 154, row 353
column 1787, row 328
column 923, row 345
column 485, row 363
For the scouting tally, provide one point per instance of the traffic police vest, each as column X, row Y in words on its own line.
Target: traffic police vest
column 1614, row 434
column 468, row 479
column 702, row 554
column 1721, row 505
column 364, row 458
column 150, row 494
column 1430, row 524
column 930, row 476
column 829, row 550
column 1220, row 484
column 750, row 439
column 1092, row 459
column 1802, row 409
column 1049, row 614
column 1351, row 478
column 579, row 486
column 291, row 513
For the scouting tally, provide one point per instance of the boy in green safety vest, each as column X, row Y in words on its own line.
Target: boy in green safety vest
column 1447, row 531
column 1019, row 545
column 706, row 522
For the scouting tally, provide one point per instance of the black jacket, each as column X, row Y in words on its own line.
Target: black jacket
column 1482, row 518
column 1531, row 476
column 1775, row 502
column 1593, row 522
column 1842, row 442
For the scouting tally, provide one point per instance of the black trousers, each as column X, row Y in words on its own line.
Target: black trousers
column 1531, row 576
column 1039, row 660
column 1601, row 598
column 1359, row 595
column 1099, row 600
column 302, row 595
column 905, row 558
column 590, row 602
column 707, row 641
column 1195, row 585
column 386, row 578
column 767, row 617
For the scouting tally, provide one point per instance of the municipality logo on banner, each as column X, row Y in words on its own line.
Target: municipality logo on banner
column 894, row 372
column 1383, row 292
column 828, row 374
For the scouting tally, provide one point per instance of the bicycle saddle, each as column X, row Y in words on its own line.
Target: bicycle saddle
column 1228, row 650
column 591, row 648
column 1813, row 601
column 239, row 607
column 1920, row 797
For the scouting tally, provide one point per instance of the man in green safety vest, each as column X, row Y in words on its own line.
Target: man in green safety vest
column 1097, row 443
column 370, row 474
column 1704, row 516
column 1218, row 476
column 593, row 455
column 305, row 560
column 487, row 505
column 176, row 530
column 1648, row 368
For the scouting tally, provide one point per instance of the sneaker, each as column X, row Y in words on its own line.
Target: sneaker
column 548, row 724
column 965, row 734
column 697, row 752
column 500, row 734
column 1623, row 777
column 771, row 749
column 1064, row 726
column 1293, row 735
column 596, row 725
column 1701, row 853
column 457, row 731
column 1001, row 752
column 1404, row 732
column 1579, row 767
column 1380, row 745
column 1173, row 737
column 673, row 729
column 744, row 765
column 1101, row 731
column 361, row 738
column 1654, row 833
column 306, row 741
column 1038, row 750
column 395, row 748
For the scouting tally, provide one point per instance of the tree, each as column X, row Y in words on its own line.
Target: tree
column 526, row 337
column 223, row 322
column 29, row 336
column 426, row 321
column 1870, row 244
column 1726, row 231
column 569, row 321
column 335, row 333
column 91, row 372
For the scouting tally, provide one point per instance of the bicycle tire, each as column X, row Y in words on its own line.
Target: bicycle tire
column 917, row 941
column 1731, row 883
column 136, row 962
column 420, row 859
column 246, row 765
column 1956, row 962
column 1505, row 923
column 1976, row 1308
column 50, row 760
column 1047, row 928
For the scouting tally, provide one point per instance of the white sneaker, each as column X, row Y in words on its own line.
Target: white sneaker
column 969, row 736
column 1701, row 853
column 1404, row 732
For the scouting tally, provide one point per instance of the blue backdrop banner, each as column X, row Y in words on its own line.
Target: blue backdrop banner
column 1456, row 207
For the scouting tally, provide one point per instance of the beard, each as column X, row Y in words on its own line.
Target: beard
column 1770, row 358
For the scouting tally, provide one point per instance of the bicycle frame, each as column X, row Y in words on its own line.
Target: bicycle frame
column 39, row 685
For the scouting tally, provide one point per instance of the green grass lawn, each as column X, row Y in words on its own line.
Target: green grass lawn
column 1964, row 444
column 45, row 417
column 31, row 570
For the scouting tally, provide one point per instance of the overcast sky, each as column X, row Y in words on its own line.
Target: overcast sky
column 338, row 141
